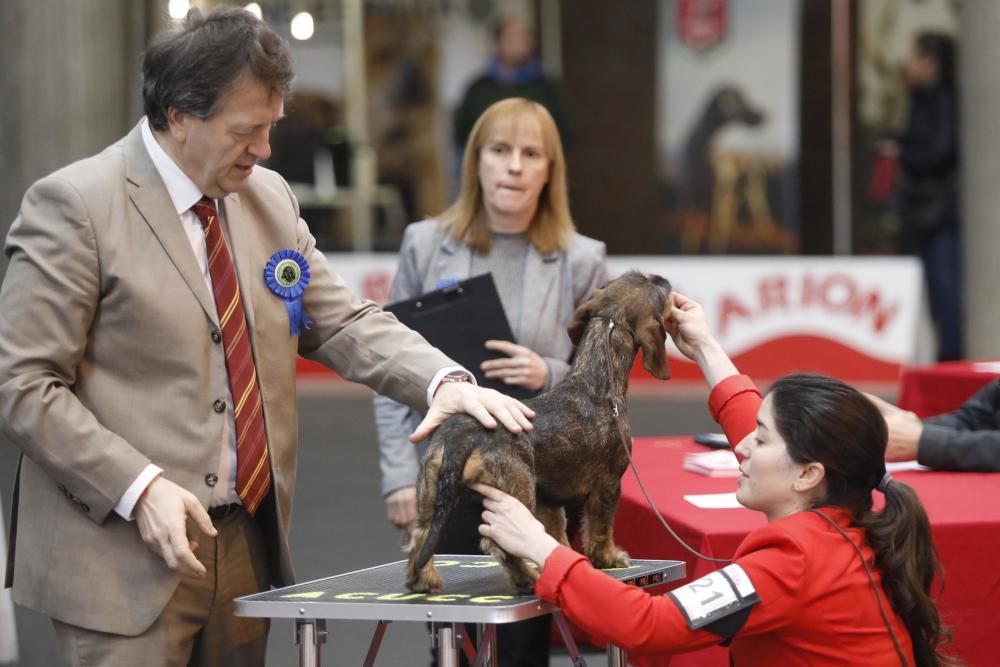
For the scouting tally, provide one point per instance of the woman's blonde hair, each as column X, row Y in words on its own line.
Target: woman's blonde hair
column 552, row 226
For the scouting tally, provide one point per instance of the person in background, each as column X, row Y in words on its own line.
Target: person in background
column 927, row 197
column 514, row 70
column 156, row 299
column 511, row 219
column 828, row 581
column 966, row 439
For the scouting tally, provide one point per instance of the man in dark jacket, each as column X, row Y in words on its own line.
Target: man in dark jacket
column 927, row 198
column 513, row 71
column 967, row 439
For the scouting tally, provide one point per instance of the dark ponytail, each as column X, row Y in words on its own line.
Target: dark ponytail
column 900, row 535
column 824, row 420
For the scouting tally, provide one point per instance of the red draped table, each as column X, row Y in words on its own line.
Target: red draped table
column 938, row 388
column 963, row 510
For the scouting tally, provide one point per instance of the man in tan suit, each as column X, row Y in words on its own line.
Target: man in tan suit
column 120, row 380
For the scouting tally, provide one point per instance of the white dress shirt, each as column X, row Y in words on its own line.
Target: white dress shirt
column 184, row 194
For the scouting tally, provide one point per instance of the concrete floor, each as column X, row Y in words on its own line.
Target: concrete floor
column 339, row 521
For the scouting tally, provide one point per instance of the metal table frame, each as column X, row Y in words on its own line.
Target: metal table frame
column 475, row 591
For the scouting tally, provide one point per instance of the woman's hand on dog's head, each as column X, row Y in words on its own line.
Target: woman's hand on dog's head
column 513, row 527
column 688, row 326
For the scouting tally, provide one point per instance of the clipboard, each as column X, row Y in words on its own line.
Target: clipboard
column 458, row 320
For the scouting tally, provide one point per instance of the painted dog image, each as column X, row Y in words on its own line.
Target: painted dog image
column 579, row 448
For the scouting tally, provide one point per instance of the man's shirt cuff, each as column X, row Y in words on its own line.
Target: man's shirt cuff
column 436, row 380
column 126, row 504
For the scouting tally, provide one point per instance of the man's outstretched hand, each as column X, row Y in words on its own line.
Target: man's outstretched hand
column 486, row 405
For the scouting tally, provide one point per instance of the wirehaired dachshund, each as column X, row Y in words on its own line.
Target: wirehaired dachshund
column 576, row 454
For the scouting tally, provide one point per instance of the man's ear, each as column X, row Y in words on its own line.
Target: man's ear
column 177, row 124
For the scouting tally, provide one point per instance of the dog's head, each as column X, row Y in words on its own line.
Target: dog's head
column 641, row 302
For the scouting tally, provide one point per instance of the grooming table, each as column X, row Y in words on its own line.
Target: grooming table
column 475, row 591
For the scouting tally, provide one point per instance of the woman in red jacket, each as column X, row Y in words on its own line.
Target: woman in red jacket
column 827, row 582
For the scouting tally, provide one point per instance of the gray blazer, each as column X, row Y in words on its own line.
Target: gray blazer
column 108, row 363
column 560, row 282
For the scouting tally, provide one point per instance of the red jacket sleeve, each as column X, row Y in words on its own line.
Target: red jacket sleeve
column 634, row 620
column 734, row 403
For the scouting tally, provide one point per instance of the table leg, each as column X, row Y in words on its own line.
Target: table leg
column 376, row 643
column 567, row 637
column 616, row 657
column 487, row 653
column 447, row 649
column 309, row 635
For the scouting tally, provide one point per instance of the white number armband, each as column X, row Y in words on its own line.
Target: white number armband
column 722, row 594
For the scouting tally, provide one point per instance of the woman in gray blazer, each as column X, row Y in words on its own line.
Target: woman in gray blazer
column 511, row 219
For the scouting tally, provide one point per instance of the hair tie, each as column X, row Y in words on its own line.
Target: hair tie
column 884, row 484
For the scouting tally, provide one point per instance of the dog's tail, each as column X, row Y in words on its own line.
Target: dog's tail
column 455, row 454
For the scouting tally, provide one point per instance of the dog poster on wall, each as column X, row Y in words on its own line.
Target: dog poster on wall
column 727, row 128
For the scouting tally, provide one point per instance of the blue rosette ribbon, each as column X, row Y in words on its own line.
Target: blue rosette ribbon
column 287, row 275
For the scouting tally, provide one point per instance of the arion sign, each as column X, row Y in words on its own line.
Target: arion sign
column 855, row 318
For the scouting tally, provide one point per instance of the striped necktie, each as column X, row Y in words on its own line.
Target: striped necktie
column 253, row 472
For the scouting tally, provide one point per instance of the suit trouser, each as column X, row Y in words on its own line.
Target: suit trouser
column 197, row 627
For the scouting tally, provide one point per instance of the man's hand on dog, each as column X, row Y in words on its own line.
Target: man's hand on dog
column 522, row 367
column 486, row 405
column 513, row 527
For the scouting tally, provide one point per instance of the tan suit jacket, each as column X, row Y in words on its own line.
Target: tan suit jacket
column 107, row 363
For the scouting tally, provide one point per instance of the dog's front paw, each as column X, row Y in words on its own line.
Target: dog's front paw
column 612, row 558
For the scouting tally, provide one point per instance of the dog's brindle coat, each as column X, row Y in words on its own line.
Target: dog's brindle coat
column 576, row 454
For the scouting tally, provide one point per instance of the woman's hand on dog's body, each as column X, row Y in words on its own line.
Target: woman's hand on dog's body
column 486, row 405
column 513, row 527
column 693, row 337
column 522, row 366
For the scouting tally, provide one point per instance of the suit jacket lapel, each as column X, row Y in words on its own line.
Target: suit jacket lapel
column 148, row 194
column 539, row 295
column 454, row 261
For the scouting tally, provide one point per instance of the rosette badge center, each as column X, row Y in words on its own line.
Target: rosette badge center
column 287, row 276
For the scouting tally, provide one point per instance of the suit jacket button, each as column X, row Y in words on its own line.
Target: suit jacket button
column 85, row 507
column 219, row 405
column 211, row 479
column 216, row 336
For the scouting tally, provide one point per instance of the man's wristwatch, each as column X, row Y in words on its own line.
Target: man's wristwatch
column 457, row 376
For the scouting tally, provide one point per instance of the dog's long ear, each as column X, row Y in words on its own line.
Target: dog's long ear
column 579, row 322
column 653, row 340
column 582, row 316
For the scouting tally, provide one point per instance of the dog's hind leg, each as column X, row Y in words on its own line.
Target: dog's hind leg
column 553, row 517
column 423, row 579
column 518, row 481
column 598, row 521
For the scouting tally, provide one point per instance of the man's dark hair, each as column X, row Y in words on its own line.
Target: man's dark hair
column 189, row 68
